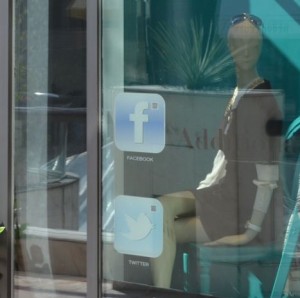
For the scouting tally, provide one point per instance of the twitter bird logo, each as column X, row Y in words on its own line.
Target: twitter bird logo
column 138, row 226
column 138, row 229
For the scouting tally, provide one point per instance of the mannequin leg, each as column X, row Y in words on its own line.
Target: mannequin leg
column 176, row 231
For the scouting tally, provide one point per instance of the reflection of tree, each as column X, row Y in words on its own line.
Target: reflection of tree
column 20, row 54
column 31, row 44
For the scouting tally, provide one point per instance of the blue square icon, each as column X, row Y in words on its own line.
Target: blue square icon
column 140, row 122
column 138, row 226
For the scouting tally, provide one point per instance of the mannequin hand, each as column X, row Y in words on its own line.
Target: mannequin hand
column 231, row 240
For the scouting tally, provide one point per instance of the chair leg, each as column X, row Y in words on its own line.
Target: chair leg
column 186, row 271
column 205, row 276
column 289, row 248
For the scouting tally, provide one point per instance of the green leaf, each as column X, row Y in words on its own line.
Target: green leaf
column 2, row 229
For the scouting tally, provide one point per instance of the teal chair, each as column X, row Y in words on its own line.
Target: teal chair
column 245, row 258
column 237, row 267
column 293, row 229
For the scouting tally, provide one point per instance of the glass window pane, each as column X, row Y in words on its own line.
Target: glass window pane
column 50, row 148
column 200, row 148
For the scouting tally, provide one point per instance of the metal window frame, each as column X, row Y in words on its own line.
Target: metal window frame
column 94, row 276
column 6, row 149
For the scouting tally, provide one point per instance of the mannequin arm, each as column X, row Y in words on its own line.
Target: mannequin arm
column 267, row 181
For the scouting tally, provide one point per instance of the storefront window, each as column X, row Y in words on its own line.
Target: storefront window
column 50, row 148
column 199, row 153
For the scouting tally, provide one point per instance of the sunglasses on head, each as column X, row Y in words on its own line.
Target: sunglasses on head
column 256, row 21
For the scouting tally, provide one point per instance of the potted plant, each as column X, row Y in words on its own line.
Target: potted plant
column 193, row 53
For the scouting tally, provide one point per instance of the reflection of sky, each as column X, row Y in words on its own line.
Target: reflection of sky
column 281, row 26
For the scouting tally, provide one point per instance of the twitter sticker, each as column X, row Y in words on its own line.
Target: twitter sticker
column 138, row 226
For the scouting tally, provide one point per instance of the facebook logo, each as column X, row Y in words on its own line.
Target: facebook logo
column 138, row 118
column 140, row 122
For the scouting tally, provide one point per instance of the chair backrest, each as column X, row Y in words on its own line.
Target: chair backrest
column 292, row 161
column 292, row 156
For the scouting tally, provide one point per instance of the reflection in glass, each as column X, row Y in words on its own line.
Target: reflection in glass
column 223, row 132
column 50, row 147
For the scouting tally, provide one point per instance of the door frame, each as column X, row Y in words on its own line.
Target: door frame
column 94, row 277
column 6, row 152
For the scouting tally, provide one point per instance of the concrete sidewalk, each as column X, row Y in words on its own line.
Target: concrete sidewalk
column 39, row 286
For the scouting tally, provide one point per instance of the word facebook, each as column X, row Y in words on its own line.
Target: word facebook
column 140, row 122
column 140, row 158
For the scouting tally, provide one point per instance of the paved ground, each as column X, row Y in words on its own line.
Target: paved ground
column 35, row 286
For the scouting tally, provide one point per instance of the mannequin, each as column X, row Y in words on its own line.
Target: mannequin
column 248, row 182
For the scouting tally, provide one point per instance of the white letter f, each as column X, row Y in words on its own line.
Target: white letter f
column 139, row 118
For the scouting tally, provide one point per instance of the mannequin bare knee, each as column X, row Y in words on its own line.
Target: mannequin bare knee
column 179, row 203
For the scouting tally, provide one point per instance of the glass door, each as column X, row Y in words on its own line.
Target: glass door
column 6, row 193
column 50, row 156
column 197, row 169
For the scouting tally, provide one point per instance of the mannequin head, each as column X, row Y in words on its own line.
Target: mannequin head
column 244, row 41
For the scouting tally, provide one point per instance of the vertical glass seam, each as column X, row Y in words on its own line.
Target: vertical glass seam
column 93, row 145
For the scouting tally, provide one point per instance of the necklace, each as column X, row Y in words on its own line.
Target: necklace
column 237, row 95
column 254, row 83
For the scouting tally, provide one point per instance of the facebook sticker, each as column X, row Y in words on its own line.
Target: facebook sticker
column 140, row 122
column 138, row 226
